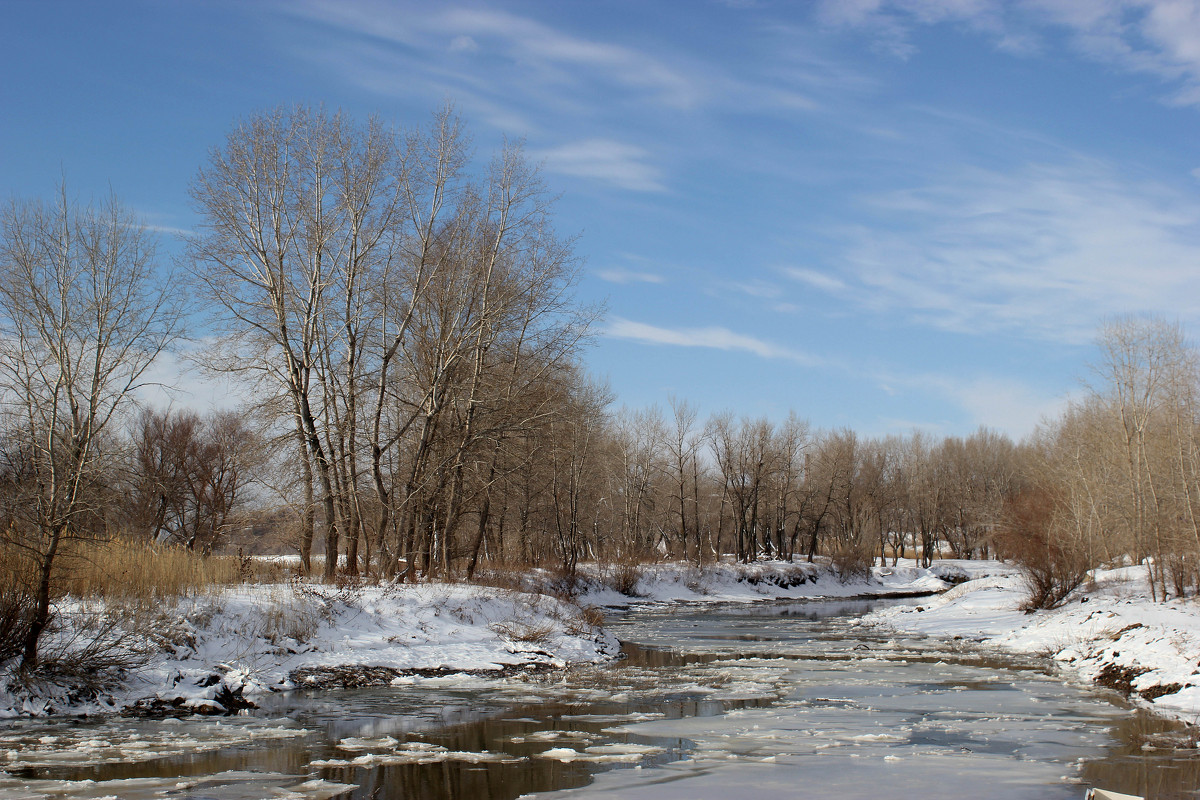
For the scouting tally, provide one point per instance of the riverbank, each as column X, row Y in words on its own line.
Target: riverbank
column 215, row 652
column 731, row 582
column 1110, row 632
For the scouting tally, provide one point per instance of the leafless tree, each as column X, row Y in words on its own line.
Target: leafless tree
column 85, row 309
column 683, row 446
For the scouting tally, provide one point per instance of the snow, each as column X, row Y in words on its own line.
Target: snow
column 605, row 753
column 230, row 645
column 121, row 742
column 221, row 786
column 836, row 731
column 394, row 753
column 249, row 640
column 1111, row 626
column 246, row 641
column 858, row 714
column 729, row 582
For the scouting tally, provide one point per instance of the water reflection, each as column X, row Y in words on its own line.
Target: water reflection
column 804, row 668
column 1137, row 767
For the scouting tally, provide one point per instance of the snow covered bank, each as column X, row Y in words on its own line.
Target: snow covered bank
column 214, row 653
column 1110, row 633
column 730, row 582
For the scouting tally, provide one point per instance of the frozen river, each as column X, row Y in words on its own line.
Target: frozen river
column 771, row 700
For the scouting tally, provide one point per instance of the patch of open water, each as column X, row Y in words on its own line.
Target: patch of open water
column 793, row 699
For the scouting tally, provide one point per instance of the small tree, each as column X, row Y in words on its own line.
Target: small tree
column 84, row 312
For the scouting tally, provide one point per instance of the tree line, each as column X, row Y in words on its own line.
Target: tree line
column 405, row 330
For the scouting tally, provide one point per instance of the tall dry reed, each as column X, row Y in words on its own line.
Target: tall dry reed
column 123, row 570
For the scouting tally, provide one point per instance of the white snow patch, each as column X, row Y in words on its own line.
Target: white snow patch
column 1111, row 624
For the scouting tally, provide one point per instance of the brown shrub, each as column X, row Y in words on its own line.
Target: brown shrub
column 17, row 601
column 1032, row 536
column 528, row 633
column 625, row 577
column 589, row 619
column 853, row 560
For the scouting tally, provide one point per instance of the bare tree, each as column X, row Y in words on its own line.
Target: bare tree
column 163, row 448
column 189, row 475
column 299, row 209
column 85, row 309
column 683, row 447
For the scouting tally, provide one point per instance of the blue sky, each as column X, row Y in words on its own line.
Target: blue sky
column 883, row 215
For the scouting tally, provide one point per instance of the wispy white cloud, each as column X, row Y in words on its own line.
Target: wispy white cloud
column 624, row 165
column 1158, row 37
column 755, row 288
column 542, row 54
column 520, row 66
column 1044, row 251
column 716, row 338
column 621, row 275
column 386, row 70
column 170, row 230
column 534, row 42
column 161, row 223
column 817, row 280
column 174, row 381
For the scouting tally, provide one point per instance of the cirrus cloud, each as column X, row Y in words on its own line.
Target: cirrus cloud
column 713, row 337
column 606, row 160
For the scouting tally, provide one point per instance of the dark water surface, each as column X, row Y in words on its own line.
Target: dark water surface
column 803, row 666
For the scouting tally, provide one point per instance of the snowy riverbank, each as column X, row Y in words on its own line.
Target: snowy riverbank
column 1110, row 632
column 730, row 582
column 214, row 653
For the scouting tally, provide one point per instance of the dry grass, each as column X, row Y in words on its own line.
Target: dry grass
column 529, row 633
column 590, row 619
column 121, row 570
column 501, row 576
column 16, row 602
column 291, row 615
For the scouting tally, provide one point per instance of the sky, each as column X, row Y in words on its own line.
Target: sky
column 879, row 214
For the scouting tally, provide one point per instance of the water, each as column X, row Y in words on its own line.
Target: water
column 794, row 700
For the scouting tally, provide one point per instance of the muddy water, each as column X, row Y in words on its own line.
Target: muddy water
column 786, row 683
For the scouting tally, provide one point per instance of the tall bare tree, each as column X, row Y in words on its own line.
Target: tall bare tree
column 299, row 212
column 85, row 309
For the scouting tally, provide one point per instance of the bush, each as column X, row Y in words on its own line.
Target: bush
column 97, row 639
column 626, row 577
column 96, row 643
column 17, row 606
column 1033, row 537
column 853, row 560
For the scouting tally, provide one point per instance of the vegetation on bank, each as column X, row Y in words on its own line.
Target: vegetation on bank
column 404, row 331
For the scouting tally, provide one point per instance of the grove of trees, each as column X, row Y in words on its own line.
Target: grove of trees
column 405, row 330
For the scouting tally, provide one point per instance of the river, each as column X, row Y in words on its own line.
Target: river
column 767, row 700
